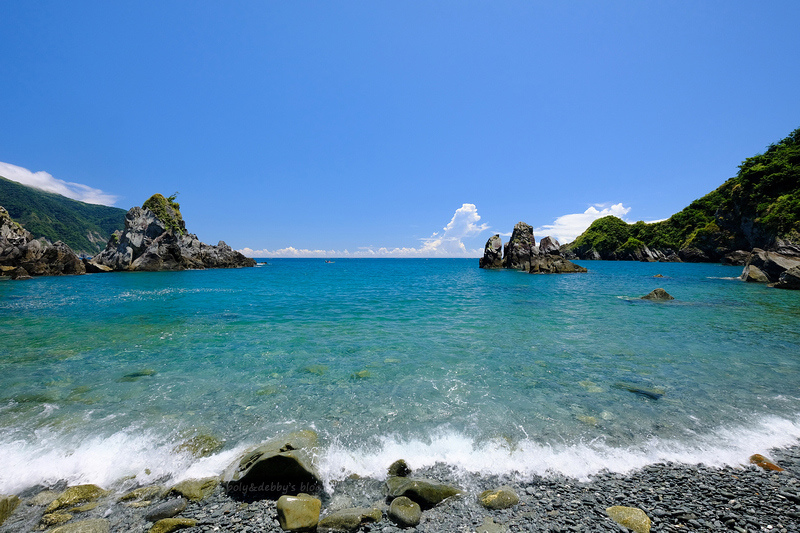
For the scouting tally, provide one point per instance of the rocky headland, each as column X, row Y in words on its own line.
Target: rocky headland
column 522, row 253
column 763, row 495
column 22, row 256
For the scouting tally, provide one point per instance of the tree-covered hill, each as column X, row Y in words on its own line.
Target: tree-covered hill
column 84, row 227
column 755, row 209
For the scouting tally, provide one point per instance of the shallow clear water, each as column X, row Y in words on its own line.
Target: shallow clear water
column 101, row 376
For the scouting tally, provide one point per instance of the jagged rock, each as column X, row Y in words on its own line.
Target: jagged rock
column 405, row 512
column 7, row 505
column 492, row 253
column 753, row 274
column 631, row 517
column 787, row 248
column 281, row 466
column 76, row 495
column 22, row 256
column 155, row 238
column 298, row 513
column 770, row 263
column 424, row 492
column 658, row 294
column 501, row 498
column 548, row 264
column 737, row 257
column 195, row 489
column 789, row 279
column 399, row 468
column 348, row 520
column 694, row 255
column 549, row 246
column 168, row 525
column 520, row 248
column 167, row 509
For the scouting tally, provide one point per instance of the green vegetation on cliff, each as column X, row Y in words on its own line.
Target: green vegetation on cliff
column 84, row 227
column 753, row 209
column 167, row 210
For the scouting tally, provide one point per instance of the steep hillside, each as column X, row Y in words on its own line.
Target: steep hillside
column 759, row 208
column 84, row 227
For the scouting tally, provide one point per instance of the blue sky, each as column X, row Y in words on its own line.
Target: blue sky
column 393, row 128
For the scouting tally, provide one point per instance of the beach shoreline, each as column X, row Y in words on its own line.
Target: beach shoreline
column 675, row 497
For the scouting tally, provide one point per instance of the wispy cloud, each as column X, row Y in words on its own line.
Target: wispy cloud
column 566, row 228
column 447, row 243
column 46, row 182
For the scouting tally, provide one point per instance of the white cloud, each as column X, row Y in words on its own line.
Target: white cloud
column 566, row 228
column 44, row 181
column 449, row 243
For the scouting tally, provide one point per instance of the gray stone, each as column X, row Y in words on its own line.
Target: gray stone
column 399, row 468
column 405, row 512
column 549, row 246
column 281, row 466
column 167, row 509
column 520, row 248
column 658, row 294
column 548, row 264
column 753, row 274
column 500, row 498
column 492, row 253
column 348, row 520
column 92, row 525
column 789, row 279
column 490, row 526
column 772, row 264
column 298, row 513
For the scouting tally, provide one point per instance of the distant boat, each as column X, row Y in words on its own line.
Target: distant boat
column 329, row 261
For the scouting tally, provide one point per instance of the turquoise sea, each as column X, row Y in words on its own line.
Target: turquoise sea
column 103, row 376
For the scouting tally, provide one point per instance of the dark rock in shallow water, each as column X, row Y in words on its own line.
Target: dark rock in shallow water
column 753, row 274
column 658, row 294
column 492, row 253
column 282, row 466
column 789, row 279
column 652, row 393
column 548, row 264
column 520, row 248
column 770, row 263
column 694, row 255
column 738, row 257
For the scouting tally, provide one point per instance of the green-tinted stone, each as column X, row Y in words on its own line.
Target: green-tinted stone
column 298, row 513
column 167, row 525
column 405, row 512
column 195, row 489
column 75, row 496
column 631, row 517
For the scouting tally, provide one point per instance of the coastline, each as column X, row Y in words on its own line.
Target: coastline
column 676, row 497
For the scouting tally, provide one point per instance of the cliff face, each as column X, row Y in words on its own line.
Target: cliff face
column 521, row 253
column 155, row 238
column 759, row 208
column 22, row 256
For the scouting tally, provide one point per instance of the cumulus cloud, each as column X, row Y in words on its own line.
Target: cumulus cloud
column 46, row 182
column 566, row 228
column 447, row 243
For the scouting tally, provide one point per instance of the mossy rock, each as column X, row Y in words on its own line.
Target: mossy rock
column 201, row 445
column 426, row 493
column 142, row 493
column 349, row 519
column 405, row 512
column 75, row 496
column 92, row 525
column 631, row 517
column 658, row 294
column 7, row 506
column 298, row 513
column 501, row 498
column 195, row 489
column 168, row 211
column 54, row 519
column 399, row 468
column 167, row 525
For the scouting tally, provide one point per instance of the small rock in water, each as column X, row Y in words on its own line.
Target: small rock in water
column 405, row 512
column 658, row 294
column 399, row 468
column 298, row 513
column 762, row 462
column 631, row 517
column 422, row 491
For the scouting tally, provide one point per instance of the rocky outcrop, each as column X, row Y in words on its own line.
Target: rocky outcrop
column 492, row 253
column 22, row 256
column 789, row 279
column 520, row 248
column 658, row 294
column 767, row 267
column 155, row 239
column 521, row 253
column 279, row 467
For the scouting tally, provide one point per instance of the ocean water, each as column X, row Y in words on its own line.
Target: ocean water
column 104, row 376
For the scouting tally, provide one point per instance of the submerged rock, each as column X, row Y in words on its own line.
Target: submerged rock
column 658, row 294
column 279, row 467
column 405, row 512
column 168, row 509
column 492, row 253
column 652, row 393
column 424, row 492
column 631, row 517
column 298, row 513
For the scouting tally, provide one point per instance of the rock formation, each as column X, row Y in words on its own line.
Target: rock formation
column 520, row 248
column 155, row 238
column 521, row 253
column 658, row 294
column 493, row 253
column 22, row 256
